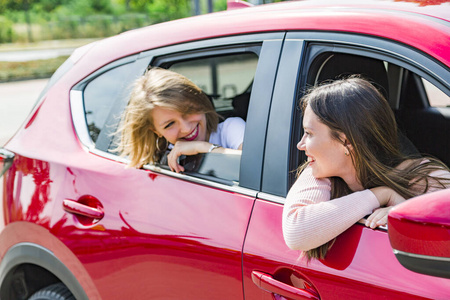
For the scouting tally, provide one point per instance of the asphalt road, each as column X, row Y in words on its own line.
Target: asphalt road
column 28, row 55
column 17, row 99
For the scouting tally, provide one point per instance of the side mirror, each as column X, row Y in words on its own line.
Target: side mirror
column 419, row 232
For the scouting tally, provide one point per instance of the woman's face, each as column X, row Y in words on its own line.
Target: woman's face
column 175, row 126
column 326, row 155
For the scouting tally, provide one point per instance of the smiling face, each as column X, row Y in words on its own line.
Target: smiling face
column 175, row 126
column 326, row 155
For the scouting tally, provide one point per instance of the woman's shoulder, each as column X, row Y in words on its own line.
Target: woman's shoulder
column 233, row 121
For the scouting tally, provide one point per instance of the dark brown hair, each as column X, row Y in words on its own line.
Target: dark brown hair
column 353, row 106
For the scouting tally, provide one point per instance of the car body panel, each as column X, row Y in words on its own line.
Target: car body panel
column 37, row 237
column 195, row 242
column 162, row 235
column 351, row 270
column 410, row 223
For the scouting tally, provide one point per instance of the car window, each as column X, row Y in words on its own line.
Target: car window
column 436, row 97
column 101, row 93
column 225, row 79
column 420, row 108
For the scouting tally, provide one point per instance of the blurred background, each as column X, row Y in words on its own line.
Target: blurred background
column 37, row 36
column 68, row 24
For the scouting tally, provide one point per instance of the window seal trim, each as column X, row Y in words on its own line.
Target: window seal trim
column 204, row 182
column 79, row 119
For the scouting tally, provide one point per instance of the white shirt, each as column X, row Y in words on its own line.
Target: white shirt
column 229, row 133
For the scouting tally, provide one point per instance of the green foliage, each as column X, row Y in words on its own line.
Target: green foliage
column 165, row 10
column 34, row 20
column 6, row 30
column 220, row 5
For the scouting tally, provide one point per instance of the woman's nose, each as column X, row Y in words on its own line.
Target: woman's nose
column 184, row 126
column 301, row 145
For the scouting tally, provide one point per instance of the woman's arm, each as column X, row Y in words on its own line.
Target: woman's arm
column 388, row 198
column 193, row 148
column 229, row 135
column 311, row 219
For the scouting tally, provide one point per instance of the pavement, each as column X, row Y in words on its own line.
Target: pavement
column 40, row 50
column 18, row 98
column 29, row 55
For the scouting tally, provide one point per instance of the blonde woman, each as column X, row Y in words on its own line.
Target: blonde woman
column 168, row 111
column 354, row 167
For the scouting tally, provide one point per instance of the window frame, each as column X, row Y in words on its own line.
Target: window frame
column 286, row 132
column 250, row 174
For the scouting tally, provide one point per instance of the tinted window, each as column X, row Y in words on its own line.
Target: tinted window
column 223, row 78
column 101, row 93
column 436, row 97
column 227, row 80
column 419, row 106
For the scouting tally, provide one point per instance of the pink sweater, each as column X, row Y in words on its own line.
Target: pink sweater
column 310, row 218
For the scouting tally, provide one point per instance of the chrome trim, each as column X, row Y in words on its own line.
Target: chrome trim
column 78, row 119
column 271, row 198
column 234, row 188
column 421, row 256
column 110, row 156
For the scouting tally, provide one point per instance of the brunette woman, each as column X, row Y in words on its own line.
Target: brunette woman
column 354, row 166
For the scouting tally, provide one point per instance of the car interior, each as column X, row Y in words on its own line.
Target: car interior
column 420, row 125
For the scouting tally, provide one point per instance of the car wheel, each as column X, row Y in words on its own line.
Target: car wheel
column 56, row 291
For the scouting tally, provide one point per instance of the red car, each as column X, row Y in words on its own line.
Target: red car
column 76, row 223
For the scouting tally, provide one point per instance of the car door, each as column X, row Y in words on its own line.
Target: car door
column 361, row 263
column 163, row 235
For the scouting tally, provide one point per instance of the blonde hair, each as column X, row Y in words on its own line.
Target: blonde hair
column 158, row 88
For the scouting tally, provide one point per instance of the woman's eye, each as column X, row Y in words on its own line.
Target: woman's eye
column 168, row 125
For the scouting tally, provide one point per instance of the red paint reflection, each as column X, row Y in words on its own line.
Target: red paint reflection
column 19, row 209
column 425, row 2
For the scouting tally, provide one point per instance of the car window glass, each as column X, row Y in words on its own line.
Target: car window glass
column 100, row 95
column 222, row 78
column 435, row 96
column 420, row 126
column 227, row 80
column 424, row 123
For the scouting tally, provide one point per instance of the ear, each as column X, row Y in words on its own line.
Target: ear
column 345, row 142
column 155, row 132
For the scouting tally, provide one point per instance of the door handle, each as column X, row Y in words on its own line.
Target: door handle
column 90, row 209
column 268, row 283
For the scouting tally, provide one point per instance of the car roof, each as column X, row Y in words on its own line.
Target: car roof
column 425, row 27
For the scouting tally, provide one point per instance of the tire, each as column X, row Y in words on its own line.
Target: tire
column 57, row 291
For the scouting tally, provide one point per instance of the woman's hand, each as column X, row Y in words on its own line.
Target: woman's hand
column 387, row 198
column 378, row 217
column 185, row 148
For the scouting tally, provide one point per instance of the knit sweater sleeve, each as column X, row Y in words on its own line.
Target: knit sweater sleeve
column 310, row 218
column 434, row 186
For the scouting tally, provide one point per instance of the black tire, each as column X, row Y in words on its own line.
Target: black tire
column 57, row 291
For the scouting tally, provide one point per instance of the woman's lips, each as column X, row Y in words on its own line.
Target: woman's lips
column 193, row 135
